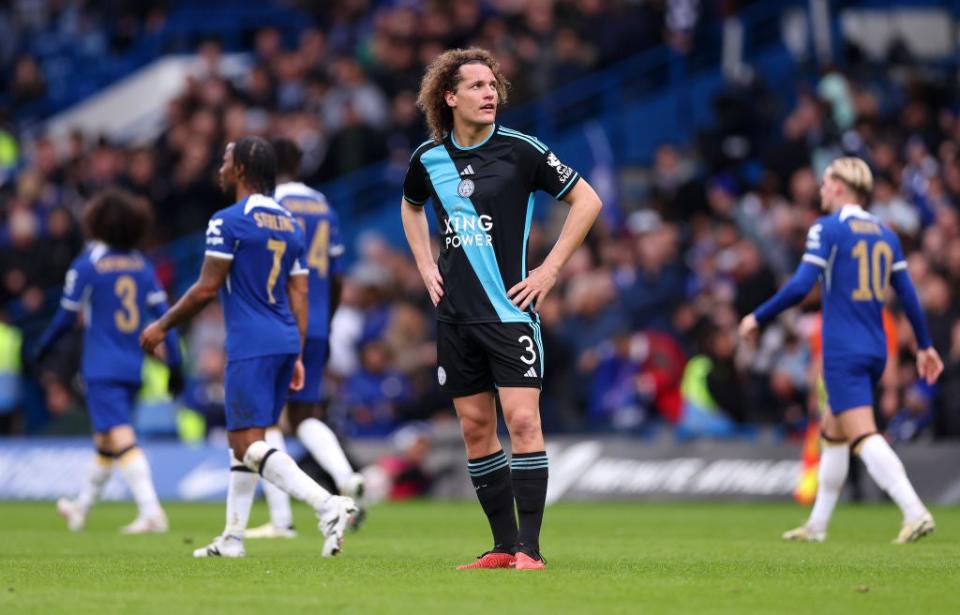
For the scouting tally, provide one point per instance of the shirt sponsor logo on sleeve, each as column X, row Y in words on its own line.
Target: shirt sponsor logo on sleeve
column 813, row 237
column 563, row 171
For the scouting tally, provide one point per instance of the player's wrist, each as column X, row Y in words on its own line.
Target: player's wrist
column 550, row 267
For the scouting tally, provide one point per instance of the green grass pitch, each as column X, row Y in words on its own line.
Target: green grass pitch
column 603, row 558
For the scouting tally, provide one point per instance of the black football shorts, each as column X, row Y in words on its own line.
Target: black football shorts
column 473, row 358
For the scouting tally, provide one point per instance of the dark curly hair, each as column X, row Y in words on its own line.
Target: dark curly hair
column 258, row 161
column 442, row 76
column 289, row 156
column 118, row 218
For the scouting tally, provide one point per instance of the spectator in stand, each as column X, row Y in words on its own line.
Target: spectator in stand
column 373, row 398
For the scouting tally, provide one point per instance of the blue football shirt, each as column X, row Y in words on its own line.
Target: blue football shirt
column 266, row 245
column 324, row 254
column 116, row 292
column 857, row 254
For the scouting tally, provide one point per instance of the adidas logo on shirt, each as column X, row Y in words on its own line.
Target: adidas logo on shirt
column 467, row 171
column 531, row 373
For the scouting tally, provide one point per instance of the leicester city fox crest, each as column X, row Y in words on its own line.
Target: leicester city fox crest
column 465, row 188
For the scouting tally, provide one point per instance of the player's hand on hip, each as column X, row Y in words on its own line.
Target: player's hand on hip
column 434, row 283
column 929, row 364
column 534, row 288
column 296, row 383
column 748, row 327
column 151, row 337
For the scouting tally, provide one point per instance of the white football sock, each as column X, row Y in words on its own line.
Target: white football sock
column 887, row 470
column 280, row 469
column 834, row 464
column 100, row 471
column 243, row 486
column 277, row 500
column 135, row 470
column 325, row 448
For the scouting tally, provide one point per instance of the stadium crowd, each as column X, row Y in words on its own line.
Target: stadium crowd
column 641, row 331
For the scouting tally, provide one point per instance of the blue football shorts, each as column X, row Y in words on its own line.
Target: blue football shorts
column 315, row 355
column 851, row 380
column 110, row 403
column 256, row 390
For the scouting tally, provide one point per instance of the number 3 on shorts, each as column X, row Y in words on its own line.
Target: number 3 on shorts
column 528, row 341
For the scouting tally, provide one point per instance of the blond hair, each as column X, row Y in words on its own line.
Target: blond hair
column 442, row 76
column 854, row 173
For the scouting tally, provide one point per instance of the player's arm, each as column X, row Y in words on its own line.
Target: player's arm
column 297, row 292
column 298, row 289
column 815, row 260
column 585, row 206
column 176, row 380
column 157, row 306
column 74, row 290
column 929, row 364
column 63, row 321
column 789, row 295
column 337, row 250
column 213, row 274
column 418, row 236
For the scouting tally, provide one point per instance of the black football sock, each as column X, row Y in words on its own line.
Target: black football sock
column 529, row 471
column 491, row 479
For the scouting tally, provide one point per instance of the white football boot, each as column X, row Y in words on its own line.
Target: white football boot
column 222, row 546
column 804, row 534
column 915, row 530
column 154, row 524
column 354, row 489
column 73, row 513
column 269, row 530
column 334, row 518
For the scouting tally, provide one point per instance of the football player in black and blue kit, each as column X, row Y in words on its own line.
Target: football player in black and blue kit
column 254, row 255
column 482, row 178
column 857, row 260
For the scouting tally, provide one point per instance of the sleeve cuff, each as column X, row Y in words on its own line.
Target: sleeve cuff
column 221, row 255
column 414, row 201
column 899, row 266
column 813, row 259
column 69, row 305
column 570, row 184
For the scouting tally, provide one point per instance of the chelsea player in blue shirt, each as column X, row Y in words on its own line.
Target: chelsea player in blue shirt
column 324, row 259
column 116, row 289
column 858, row 260
column 254, row 250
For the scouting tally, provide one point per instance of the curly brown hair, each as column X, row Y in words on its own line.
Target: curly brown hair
column 442, row 76
column 118, row 218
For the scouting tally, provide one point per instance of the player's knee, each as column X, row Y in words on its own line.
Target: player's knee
column 255, row 454
column 239, row 446
column 121, row 438
column 477, row 430
column 525, row 425
column 298, row 412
